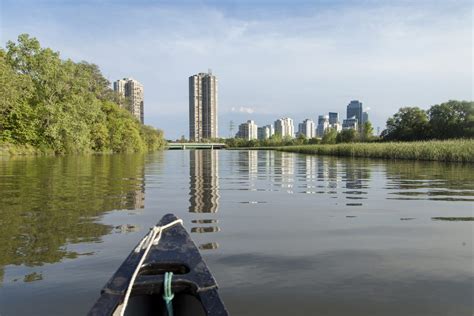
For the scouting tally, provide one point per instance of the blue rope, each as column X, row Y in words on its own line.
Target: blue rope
column 168, row 295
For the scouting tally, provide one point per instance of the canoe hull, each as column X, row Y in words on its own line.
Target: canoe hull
column 193, row 285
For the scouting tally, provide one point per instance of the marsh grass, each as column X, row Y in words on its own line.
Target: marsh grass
column 453, row 219
column 461, row 150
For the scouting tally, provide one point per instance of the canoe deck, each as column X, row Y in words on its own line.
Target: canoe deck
column 193, row 285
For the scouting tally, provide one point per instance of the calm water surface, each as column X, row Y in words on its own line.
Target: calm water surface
column 283, row 233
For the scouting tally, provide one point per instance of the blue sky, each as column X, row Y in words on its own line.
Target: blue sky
column 272, row 58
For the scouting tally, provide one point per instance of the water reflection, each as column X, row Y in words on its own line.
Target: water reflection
column 204, row 181
column 50, row 202
column 284, row 170
column 204, row 190
column 255, row 215
column 440, row 182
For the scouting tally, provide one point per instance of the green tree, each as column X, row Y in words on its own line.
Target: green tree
column 329, row 136
column 367, row 132
column 409, row 123
column 347, row 136
column 17, row 117
column 300, row 140
column 453, row 119
column 62, row 105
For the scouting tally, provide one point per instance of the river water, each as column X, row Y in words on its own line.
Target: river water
column 283, row 233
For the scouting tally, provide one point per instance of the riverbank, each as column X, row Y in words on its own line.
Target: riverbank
column 448, row 151
column 8, row 150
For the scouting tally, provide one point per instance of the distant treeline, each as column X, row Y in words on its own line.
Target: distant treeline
column 62, row 106
column 450, row 120
column 453, row 119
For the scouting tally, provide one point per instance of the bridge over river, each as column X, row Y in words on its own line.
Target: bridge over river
column 177, row 146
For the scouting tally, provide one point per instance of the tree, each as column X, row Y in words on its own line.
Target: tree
column 17, row 117
column 453, row 119
column 62, row 105
column 347, row 136
column 409, row 123
column 330, row 136
column 367, row 131
column 300, row 140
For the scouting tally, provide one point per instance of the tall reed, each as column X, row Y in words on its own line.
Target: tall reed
column 461, row 150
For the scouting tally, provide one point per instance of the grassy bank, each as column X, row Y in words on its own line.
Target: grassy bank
column 449, row 151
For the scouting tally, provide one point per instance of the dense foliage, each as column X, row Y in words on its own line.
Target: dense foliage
column 56, row 104
column 453, row 119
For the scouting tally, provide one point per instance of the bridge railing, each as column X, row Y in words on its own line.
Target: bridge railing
column 196, row 145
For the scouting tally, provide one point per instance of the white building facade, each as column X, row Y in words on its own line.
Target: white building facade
column 265, row 132
column 350, row 123
column 323, row 125
column 307, row 128
column 133, row 90
column 285, row 127
column 248, row 130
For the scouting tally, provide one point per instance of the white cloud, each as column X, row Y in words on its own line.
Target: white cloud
column 242, row 109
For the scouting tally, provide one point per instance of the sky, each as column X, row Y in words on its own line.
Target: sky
column 273, row 59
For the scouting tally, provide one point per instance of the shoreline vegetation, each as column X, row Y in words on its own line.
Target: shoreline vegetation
column 444, row 132
column 444, row 151
column 53, row 106
column 461, row 150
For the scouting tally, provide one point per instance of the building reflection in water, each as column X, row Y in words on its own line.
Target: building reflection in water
column 204, row 191
column 284, row 170
column 204, row 181
column 135, row 200
column 306, row 170
column 265, row 164
column 356, row 178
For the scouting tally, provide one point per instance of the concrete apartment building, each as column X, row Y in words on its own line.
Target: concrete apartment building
column 355, row 110
column 307, row 128
column 333, row 118
column 285, row 127
column 334, row 121
column 133, row 90
column 248, row 130
column 350, row 123
column 323, row 125
column 265, row 132
column 202, row 107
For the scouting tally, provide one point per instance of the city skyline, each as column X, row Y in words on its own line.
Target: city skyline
column 332, row 52
column 356, row 116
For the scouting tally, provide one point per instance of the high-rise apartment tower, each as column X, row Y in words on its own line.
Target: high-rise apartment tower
column 355, row 110
column 284, row 127
column 248, row 130
column 133, row 90
column 307, row 128
column 202, row 106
